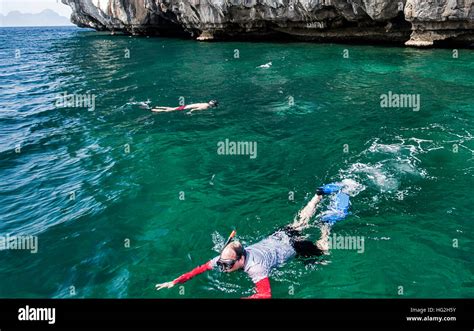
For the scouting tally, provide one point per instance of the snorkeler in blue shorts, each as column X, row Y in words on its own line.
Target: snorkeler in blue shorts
column 259, row 259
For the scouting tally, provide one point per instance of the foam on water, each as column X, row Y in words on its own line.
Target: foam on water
column 384, row 166
column 286, row 107
column 140, row 104
column 376, row 174
column 351, row 187
column 218, row 241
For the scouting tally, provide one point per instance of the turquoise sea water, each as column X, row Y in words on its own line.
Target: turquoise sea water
column 413, row 169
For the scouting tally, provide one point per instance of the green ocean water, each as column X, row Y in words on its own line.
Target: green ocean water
column 315, row 117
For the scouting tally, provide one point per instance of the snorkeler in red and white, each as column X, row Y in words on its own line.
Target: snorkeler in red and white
column 259, row 259
column 191, row 107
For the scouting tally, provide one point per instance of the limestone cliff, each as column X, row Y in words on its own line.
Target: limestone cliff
column 413, row 22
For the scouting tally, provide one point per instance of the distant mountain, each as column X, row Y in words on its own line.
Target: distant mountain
column 46, row 18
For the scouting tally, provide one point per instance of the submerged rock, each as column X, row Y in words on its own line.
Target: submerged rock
column 413, row 22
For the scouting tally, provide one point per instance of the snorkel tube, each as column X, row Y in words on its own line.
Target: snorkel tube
column 232, row 235
column 226, row 264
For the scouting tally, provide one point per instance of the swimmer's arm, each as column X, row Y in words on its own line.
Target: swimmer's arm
column 263, row 290
column 187, row 276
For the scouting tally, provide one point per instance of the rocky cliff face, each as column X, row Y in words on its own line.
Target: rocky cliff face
column 413, row 22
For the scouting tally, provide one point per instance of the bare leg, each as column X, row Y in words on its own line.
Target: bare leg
column 302, row 219
column 163, row 109
column 323, row 242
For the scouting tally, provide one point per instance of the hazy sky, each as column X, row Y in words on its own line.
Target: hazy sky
column 34, row 6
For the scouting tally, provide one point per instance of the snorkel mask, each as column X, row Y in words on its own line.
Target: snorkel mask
column 227, row 264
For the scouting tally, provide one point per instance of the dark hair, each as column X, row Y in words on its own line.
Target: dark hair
column 238, row 249
column 215, row 103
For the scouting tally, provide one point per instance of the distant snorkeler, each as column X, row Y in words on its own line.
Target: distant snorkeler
column 259, row 259
column 191, row 107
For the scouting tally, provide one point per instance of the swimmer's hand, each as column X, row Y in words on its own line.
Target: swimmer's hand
column 164, row 285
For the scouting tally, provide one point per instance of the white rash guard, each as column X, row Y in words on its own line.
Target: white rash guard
column 265, row 255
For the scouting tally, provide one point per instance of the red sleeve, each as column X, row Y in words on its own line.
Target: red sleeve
column 263, row 290
column 196, row 271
